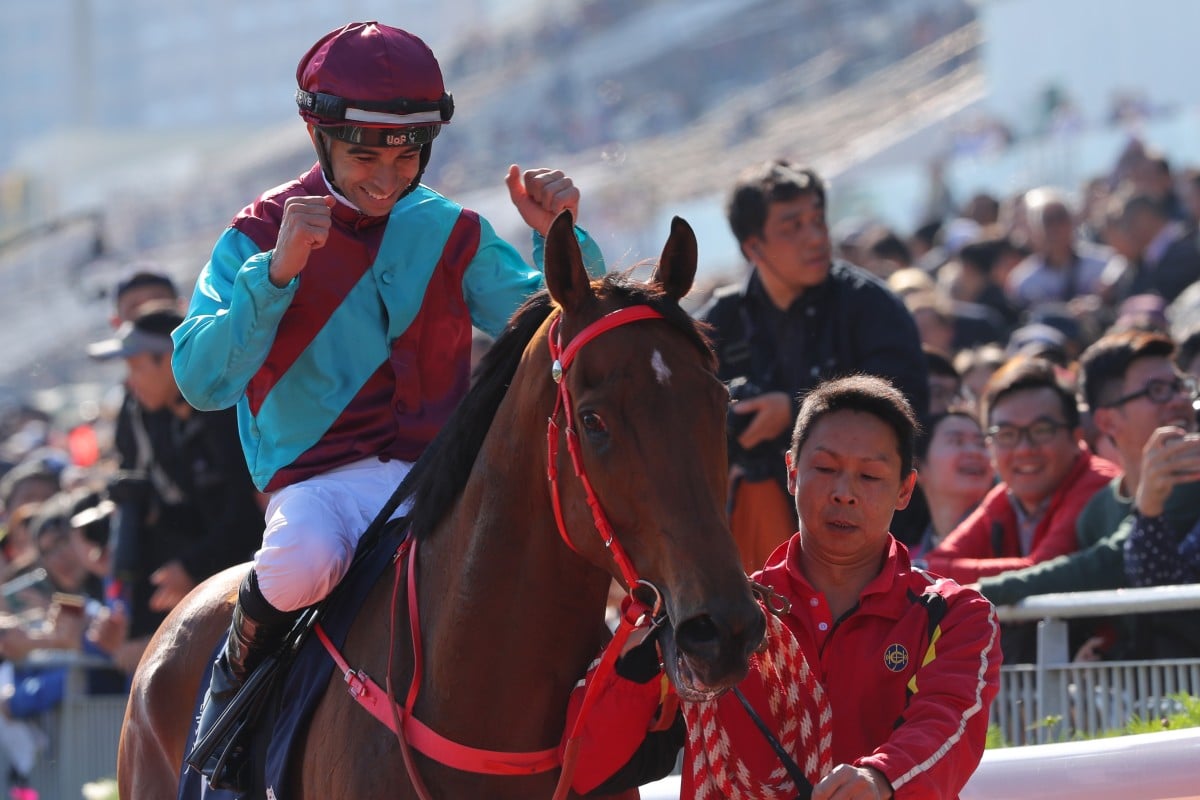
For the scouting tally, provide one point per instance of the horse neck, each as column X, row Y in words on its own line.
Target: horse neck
column 510, row 616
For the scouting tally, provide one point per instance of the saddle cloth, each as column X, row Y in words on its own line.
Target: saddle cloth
column 295, row 696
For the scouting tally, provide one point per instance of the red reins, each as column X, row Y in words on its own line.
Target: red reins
column 636, row 614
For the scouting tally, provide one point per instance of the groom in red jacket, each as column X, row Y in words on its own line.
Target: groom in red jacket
column 907, row 662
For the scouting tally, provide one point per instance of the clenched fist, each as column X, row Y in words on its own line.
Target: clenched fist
column 305, row 228
column 540, row 194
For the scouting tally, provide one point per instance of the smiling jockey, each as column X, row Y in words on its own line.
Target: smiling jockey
column 342, row 375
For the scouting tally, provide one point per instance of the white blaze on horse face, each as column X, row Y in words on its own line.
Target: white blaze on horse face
column 661, row 370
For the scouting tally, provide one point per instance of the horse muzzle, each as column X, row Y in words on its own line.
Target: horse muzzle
column 708, row 654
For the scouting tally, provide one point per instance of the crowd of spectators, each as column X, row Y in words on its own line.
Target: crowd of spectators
column 1061, row 326
column 52, row 557
column 659, row 93
column 107, row 525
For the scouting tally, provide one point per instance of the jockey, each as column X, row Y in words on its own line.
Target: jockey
column 336, row 312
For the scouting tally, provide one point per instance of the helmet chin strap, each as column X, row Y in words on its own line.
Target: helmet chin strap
column 426, row 150
column 326, row 162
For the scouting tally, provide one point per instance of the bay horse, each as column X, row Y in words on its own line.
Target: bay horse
column 512, row 600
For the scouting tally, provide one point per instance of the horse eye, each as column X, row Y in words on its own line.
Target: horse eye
column 592, row 423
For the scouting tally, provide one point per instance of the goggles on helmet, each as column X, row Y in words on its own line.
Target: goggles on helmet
column 390, row 123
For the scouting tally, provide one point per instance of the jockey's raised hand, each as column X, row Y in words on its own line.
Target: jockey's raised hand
column 540, row 194
column 305, row 228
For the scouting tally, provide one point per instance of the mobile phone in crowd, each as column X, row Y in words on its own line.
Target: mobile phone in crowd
column 69, row 604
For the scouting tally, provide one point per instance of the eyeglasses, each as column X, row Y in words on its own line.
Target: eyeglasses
column 1040, row 432
column 1159, row 391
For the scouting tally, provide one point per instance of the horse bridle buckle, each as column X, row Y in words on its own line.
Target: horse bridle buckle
column 654, row 609
column 356, row 681
column 776, row 603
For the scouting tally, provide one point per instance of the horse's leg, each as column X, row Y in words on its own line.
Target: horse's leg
column 165, row 687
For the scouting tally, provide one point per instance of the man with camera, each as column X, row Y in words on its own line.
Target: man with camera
column 188, row 509
column 799, row 317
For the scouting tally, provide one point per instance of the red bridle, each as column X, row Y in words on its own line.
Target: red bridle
column 563, row 358
column 634, row 613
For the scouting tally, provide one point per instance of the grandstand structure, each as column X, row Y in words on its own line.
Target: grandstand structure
column 652, row 107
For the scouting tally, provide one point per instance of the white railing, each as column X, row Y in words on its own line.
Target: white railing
column 1083, row 698
column 1055, row 698
column 1108, row 602
column 1152, row 766
column 80, row 734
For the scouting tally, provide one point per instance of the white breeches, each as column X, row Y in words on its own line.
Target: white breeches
column 313, row 527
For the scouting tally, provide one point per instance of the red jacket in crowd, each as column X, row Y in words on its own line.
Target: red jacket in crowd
column 987, row 543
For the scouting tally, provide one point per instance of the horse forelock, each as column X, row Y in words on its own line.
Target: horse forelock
column 441, row 474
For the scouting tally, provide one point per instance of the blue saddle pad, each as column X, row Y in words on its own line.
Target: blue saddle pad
column 303, row 685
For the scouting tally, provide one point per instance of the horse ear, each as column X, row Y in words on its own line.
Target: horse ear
column 677, row 266
column 566, row 279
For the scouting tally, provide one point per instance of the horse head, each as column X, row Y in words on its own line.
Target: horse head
column 648, row 414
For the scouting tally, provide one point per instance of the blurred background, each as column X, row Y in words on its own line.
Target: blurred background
column 133, row 131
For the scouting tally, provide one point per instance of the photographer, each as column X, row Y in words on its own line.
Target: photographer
column 188, row 511
column 799, row 317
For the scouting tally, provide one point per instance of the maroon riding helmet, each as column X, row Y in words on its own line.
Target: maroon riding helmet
column 373, row 85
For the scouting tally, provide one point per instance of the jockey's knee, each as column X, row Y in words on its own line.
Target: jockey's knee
column 301, row 572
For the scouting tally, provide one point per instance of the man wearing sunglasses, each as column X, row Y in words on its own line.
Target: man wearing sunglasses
column 1047, row 475
column 1135, row 393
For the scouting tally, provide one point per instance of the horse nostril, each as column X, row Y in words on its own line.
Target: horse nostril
column 719, row 645
column 697, row 634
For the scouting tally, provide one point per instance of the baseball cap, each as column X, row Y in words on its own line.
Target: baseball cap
column 149, row 333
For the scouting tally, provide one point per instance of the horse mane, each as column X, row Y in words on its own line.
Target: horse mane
column 441, row 473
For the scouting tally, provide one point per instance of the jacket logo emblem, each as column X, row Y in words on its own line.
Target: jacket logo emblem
column 895, row 658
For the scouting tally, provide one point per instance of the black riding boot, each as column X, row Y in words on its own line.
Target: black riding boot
column 257, row 631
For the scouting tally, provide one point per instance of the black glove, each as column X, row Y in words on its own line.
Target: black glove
column 641, row 664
